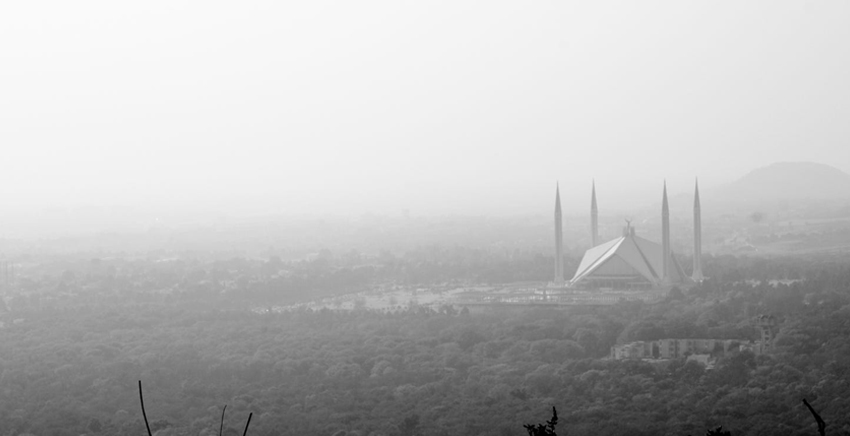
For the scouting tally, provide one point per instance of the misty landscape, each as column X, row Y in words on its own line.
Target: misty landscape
column 424, row 219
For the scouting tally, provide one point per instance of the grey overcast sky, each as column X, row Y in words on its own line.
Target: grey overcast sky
column 301, row 107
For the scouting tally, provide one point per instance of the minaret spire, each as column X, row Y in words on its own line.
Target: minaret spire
column 559, row 240
column 697, row 275
column 665, row 236
column 594, row 218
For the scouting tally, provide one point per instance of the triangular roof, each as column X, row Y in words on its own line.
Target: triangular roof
column 625, row 256
column 596, row 254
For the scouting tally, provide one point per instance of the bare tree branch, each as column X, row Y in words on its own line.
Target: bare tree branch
column 221, row 427
column 820, row 421
column 247, row 424
column 144, row 415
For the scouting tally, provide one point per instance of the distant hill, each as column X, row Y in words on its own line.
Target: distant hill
column 789, row 181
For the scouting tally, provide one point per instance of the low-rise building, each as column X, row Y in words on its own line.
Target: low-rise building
column 677, row 348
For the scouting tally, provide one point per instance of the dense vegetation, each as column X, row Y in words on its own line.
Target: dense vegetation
column 225, row 281
column 219, row 281
column 69, row 366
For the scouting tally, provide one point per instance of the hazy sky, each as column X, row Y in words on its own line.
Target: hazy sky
column 436, row 107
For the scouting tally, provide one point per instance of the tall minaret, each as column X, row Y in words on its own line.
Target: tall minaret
column 697, row 276
column 559, row 240
column 665, row 236
column 594, row 218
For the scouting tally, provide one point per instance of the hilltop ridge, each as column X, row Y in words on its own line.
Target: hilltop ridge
column 790, row 181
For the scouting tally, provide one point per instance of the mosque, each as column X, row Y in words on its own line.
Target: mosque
column 628, row 262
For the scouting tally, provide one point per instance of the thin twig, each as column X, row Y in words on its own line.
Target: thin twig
column 820, row 421
column 144, row 415
column 247, row 424
column 221, row 427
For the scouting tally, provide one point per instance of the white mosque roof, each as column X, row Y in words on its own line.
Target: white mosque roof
column 627, row 256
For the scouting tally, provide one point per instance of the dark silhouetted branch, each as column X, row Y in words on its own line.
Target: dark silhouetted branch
column 547, row 429
column 144, row 415
column 718, row 432
column 247, row 424
column 820, row 421
column 221, row 427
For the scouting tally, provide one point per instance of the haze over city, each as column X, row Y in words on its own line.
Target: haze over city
column 432, row 218
column 191, row 109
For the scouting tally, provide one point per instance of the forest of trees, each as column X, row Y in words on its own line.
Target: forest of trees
column 69, row 366
column 222, row 281
column 238, row 281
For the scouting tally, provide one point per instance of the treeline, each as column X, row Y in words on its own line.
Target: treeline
column 234, row 281
column 73, row 370
column 228, row 282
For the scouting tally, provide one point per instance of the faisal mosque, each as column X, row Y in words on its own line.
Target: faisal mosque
column 628, row 262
